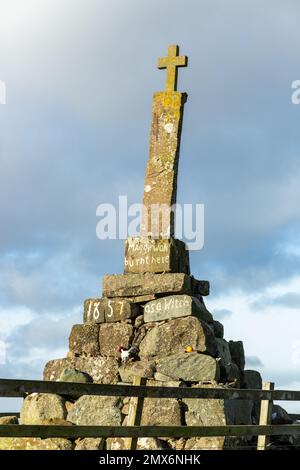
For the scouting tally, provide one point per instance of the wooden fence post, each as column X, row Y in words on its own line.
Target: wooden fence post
column 265, row 416
column 135, row 413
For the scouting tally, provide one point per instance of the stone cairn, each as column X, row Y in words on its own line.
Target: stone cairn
column 151, row 322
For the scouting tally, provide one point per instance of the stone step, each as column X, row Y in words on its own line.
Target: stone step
column 128, row 285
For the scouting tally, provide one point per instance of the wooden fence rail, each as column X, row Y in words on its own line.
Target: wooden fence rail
column 43, row 431
column 19, row 388
column 137, row 391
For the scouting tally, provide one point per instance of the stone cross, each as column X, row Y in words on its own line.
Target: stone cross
column 161, row 173
column 171, row 62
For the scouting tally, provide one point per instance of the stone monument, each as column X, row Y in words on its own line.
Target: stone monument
column 151, row 321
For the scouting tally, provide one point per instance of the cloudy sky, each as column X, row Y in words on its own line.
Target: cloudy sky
column 79, row 78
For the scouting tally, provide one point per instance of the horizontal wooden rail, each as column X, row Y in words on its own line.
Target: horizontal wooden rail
column 10, row 413
column 19, row 388
column 14, row 430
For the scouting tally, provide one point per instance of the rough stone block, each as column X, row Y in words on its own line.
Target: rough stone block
column 143, row 443
column 100, row 369
column 72, row 375
column 9, row 420
column 200, row 287
column 205, row 412
column 215, row 412
column 90, row 443
column 161, row 411
column 175, row 335
column 142, row 368
column 93, row 311
column 35, row 443
column 191, row 367
column 218, row 329
column 237, row 353
column 174, row 306
column 136, row 285
column 280, row 416
column 144, row 255
column 252, row 379
column 109, row 310
column 84, row 339
column 229, row 371
column 114, row 335
column 39, row 407
column 92, row 410
column 139, row 299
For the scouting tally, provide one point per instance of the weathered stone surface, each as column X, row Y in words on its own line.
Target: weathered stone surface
column 218, row 329
column 55, row 422
column 133, row 285
column 138, row 299
column 84, row 339
column 252, row 379
column 116, row 443
column 39, row 407
column 229, row 371
column 233, row 374
column 191, row 367
column 160, row 255
column 142, row 368
column 214, row 412
column 223, row 351
column 161, row 377
column 169, row 383
column 93, row 311
column 205, row 443
column 280, row 416
column 239, row 411
column 175, row 306
column 200, row 287
column 237, row 353
column 96, row 410
column 143, row 443
column 101, row 369
column 139, row 321
column 9, row 420
column 72, row 375
column 150, row 443
column 109, row 310
column 161, row 412
column 175, row 335
column 69, row 405
column 114, row 335
column 162, row 165
column 90, row 443
column 176, row 443
column 216, row 443
column 35, row 443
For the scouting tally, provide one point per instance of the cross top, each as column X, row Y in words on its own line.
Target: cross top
column 171, row 62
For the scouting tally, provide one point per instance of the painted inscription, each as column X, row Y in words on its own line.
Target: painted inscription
column 109, row 310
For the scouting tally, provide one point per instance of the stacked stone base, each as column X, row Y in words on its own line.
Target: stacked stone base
column 176, row 343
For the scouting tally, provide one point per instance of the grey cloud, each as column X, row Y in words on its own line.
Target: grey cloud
column 289, row 300
column 46, row 333
column 222, row 313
